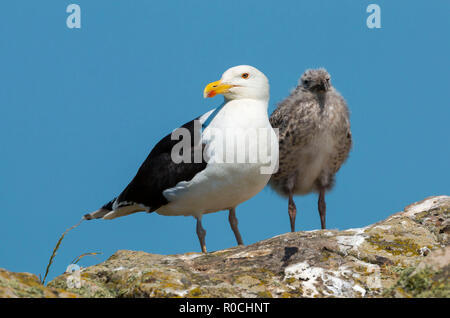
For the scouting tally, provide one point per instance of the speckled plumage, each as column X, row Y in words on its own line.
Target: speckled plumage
column 314, row 138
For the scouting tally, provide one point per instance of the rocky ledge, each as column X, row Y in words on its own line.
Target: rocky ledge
column 406, row 255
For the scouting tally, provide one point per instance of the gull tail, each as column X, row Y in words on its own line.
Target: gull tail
column 100, row 213
column 109, row 211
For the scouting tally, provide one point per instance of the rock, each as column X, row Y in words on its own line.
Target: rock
column 437, row 261
column 19, row 285
column 405, row 255
column 428, row 279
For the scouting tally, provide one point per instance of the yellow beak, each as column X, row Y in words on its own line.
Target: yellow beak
column 214, row 88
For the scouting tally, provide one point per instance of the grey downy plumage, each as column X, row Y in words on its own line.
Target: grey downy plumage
column 314, row 138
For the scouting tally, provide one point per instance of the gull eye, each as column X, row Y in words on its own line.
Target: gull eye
column 245, row 75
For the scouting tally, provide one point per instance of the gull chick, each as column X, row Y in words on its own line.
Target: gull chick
column 314, row 137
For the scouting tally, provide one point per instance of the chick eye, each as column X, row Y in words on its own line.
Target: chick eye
column 244, row 75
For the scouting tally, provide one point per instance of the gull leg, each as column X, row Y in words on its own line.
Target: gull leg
column 292, row 209
column 234, row 225
column 201, row 233
column 322, row 207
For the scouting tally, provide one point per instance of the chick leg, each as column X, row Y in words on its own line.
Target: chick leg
column 292, row 209
column 322, row 207
column 201, row 233
column 234, row 225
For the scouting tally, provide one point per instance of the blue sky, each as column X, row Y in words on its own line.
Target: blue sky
column 81, row 108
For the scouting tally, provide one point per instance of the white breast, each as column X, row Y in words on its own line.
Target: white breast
column 223, row 184
column 313, row 159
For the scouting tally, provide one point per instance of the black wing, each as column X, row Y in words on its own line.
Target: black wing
column 159, row 172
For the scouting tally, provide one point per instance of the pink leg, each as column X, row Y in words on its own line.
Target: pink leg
column 201, row 233
column 234, row 226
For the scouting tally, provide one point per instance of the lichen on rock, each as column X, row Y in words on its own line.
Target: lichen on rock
column 406, row 255
column 20, row 285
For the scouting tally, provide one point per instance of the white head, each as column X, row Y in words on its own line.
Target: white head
column 240, row 82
